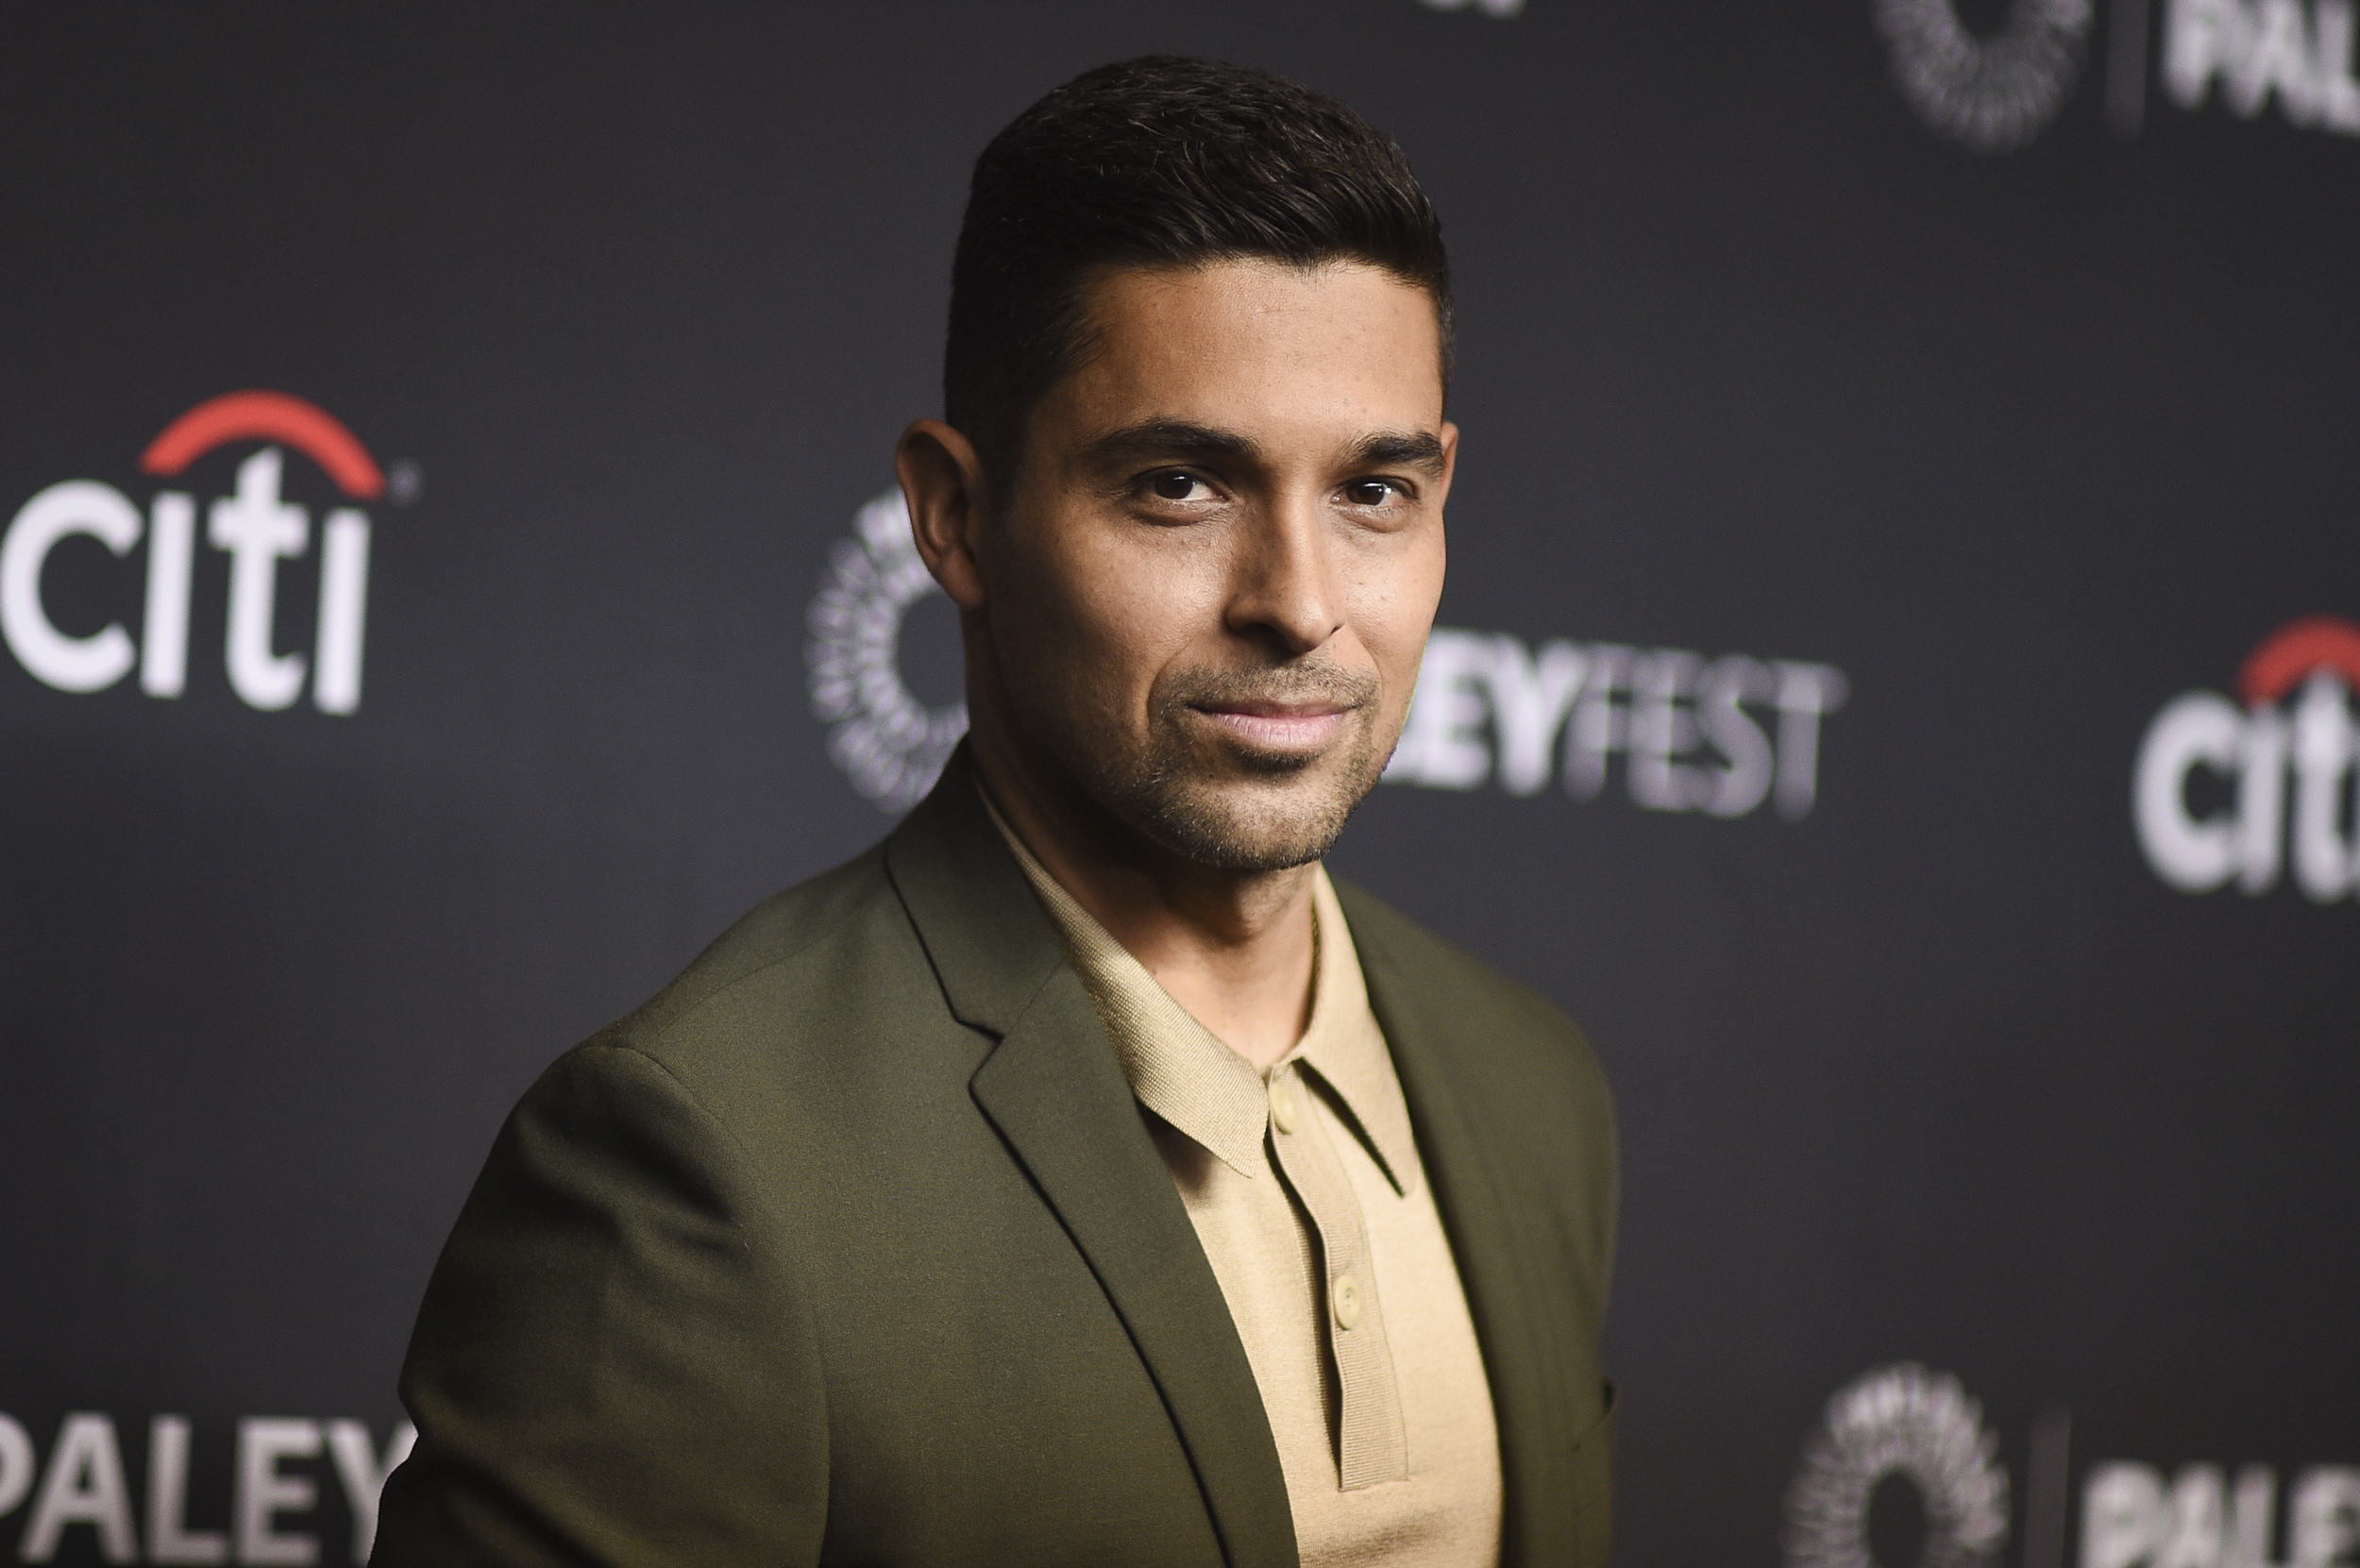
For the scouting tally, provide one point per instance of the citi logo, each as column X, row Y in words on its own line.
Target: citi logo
column 254, row 525
column 2211, row 793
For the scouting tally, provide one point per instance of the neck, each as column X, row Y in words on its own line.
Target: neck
column 1234, row 948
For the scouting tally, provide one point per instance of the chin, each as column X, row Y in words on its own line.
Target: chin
column 1232, row 807
column 1258, row 823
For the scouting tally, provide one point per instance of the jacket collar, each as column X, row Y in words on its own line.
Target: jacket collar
column 992, row 946
column 1186, row 1074
column 1055, row 1092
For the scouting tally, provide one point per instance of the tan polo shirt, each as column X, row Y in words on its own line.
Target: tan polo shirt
column 1304, row 1188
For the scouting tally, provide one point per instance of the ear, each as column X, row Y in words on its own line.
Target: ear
column 942, row 483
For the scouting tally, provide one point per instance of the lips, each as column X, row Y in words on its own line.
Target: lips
column 1277, row 728
column 1286, row 714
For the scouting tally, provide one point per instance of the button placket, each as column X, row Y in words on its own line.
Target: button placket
column 1371, row 1443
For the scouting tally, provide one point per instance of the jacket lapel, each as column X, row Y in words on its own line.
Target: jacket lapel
column 1055, row 1092
column 1498, row 1262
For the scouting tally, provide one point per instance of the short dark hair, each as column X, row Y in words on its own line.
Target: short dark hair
column 1159, row 162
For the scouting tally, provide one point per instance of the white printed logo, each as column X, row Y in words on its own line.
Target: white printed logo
column 2295, row 718
column 1692, row 731
column 84, row 1495
column 1997, row 93
column 889, row 744
column 2132, row 1517
column 1900, row 1420
column 253, row 526
column 2260, row 49
column 1501, row 8
column 1918, row 1427
column 1990, row 93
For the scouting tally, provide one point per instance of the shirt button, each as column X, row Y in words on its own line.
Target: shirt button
column 1345, row 1292
column 1282, row 1107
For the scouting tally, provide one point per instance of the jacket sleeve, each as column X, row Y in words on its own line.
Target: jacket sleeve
column 612, row 1365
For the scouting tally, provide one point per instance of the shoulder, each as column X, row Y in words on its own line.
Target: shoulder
column 799, row 929
column 795, row 986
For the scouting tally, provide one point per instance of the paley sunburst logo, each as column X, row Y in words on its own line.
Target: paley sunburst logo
column 1996, row 90
column 889, row 744
column 1910, row 1428
column 1917, row 1426
column 1990, row 92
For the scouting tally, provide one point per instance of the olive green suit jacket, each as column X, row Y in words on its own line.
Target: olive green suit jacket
column 853, row 1247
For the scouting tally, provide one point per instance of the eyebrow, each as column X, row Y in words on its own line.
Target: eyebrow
column 1400, row 450
column 1160, row 438
column 1155, row 438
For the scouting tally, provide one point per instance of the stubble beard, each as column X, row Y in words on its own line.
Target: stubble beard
column 1217, row 804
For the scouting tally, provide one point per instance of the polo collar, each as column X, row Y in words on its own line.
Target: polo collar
column 1189, row 1076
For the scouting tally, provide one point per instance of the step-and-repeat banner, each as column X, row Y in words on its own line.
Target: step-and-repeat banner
column 1895, row 689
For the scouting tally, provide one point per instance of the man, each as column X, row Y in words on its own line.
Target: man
column 1080, row 1176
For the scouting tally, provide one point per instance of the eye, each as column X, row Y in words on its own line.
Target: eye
column 1372, row 492
column 1174, row 485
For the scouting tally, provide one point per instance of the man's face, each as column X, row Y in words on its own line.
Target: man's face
column 1212, row 582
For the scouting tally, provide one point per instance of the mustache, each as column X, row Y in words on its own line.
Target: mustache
column 1305, row 680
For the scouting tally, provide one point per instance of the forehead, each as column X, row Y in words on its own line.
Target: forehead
column 1258, row 343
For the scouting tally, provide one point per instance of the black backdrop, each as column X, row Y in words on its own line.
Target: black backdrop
column 1755, row 358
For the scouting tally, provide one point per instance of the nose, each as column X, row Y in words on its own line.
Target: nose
column 1282, row 590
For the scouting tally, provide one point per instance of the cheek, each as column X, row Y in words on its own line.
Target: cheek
column 1096, row 622
column 1396, row 595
